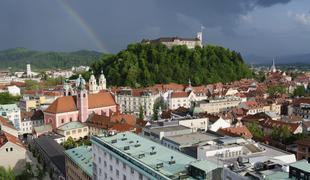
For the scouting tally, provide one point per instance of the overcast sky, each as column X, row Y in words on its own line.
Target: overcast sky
column 253, row 27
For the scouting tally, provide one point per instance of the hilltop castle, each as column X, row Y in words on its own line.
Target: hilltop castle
column 174, row 41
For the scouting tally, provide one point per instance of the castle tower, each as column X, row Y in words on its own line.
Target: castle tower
column 93, row 88
column 102, row 82
column 82, row 99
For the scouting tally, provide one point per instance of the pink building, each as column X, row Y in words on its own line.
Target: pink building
column 78, row 107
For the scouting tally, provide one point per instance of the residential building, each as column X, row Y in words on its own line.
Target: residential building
column 12, row 113
column 176, row 41
column 117, row 122
column 29, row 103
column 8, row 127
column 31, row 119
column 132, row 100
column 303, row 149
column 216, row 105
column 128, row 156
column 14, row 90
column 79, row 163
column 78, row 107
column 52, row 154
column 74, row 129
column 12, row 152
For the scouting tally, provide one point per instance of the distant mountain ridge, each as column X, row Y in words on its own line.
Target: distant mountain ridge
column 17, row 58
column 289, row 59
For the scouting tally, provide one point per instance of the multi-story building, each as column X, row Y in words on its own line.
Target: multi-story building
column 127, row 156
column 176, row 41
column 79, row 163
column 303, row 149
column 31, row 119
column 75, row 129
column 12, row 152
column 12, row 113
column 226, row 150
column 131, row 100
column 52, row 154
column 216, row 105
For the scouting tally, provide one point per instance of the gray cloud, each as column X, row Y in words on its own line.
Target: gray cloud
column 46, row 24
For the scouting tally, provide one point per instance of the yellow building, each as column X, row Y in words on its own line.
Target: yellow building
column 75, row 129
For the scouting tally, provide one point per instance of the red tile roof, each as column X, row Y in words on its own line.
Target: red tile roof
column 179, row 94
column 62, row 104
column 242, row 131
column 7, row 137
column 68, row 103
column 6, row 123
column 270, row 124
column 101, row 99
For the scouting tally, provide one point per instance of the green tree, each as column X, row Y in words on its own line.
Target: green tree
column 147, row 64
column 141, row 113
column 281, row 134
column 276, row 90
column 32, row 85
column 299, row 91
column 6, row 174
column 69, row 143
column 6, row 98
column 256, row 131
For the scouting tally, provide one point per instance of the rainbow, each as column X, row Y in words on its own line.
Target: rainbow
column 83, row 24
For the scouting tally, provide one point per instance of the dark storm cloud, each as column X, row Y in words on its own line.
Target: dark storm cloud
column 47, row 24
column 268, row 3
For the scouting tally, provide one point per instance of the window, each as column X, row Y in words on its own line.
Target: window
column 132, row 171
column 124, row 177
column 99, row 160
column 117, row 172
column 117, row 161
column 7, row 149
column 111, row 168
column 124, row 165
column 11, row 149
column 110, row 156
column 62, row 121
column 70, row 119
column 100, row 172
column 105, row 164
column 140, row 176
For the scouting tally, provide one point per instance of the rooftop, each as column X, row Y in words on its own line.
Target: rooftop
column 143, row 152
column 191, row 139
column 82, row 157
column 53, row 150
column 302, row 165
column 71, row 125
column 169, row 128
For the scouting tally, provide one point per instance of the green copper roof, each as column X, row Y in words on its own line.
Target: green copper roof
column 207, row 166
column 71, row 125
column 148, row 154
column 302, row 165
column 82, row 156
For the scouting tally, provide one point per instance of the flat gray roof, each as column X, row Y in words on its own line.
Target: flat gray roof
column 190, row 139
column 169, row 128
